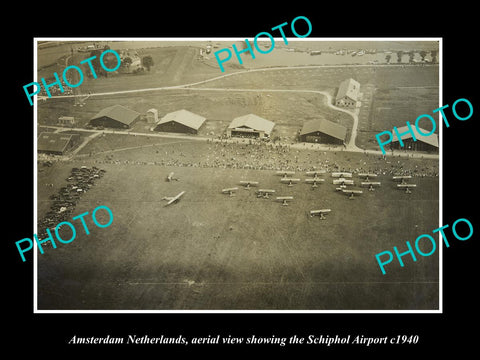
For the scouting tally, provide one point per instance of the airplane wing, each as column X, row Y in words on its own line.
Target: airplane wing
column 171, row 200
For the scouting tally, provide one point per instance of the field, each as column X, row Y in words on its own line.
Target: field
column 211, row 251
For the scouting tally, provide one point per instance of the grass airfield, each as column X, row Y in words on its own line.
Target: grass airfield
column 214, row 252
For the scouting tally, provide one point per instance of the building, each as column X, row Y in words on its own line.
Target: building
column 348, row 94
column 116, row 116
column 323, row 131
column 180, row 121
column 424, row 143
column 56, row 143
column 250, row 126
column 152, row 116
column 66, row 120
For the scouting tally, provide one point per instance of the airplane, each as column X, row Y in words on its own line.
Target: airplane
column 350, row 192
column 265, row 193
column 284, row 199
column 173, row 199
column 342, row 175
column 402, row 178
column 170, row 177
column 285, row 173
column 321, row 213
column 371, row 184
column 314, row 173
column 230, row 191
column 367, row 176
column 289, row 181
column 406, row 187
column 247, row 184
column 343, row 182
column 314, row 181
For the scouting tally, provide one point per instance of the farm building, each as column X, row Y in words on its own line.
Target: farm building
column 250, row 126
column 348, row 93
column 116, row 116
column 56, row 143
column 423, row 143
column 66, row 120
column 180, row 121
column 152, row 116
column 323, row 131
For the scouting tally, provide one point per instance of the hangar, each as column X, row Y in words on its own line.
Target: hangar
column 323, row 131
column 56, row 143
column 180, row 121
column 116, row 116
column 424, row 143
column 348, row 93
column 250, row 125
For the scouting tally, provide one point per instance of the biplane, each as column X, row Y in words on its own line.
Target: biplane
column 314, row 181
column 248, row 183
column 402, row 178
column 284, row 199
column 406, row 187
column 173, row 199
column 315, row 173
column 350, row 192
column 367, row 176
column 265, row 193
column 230, row 191
column 342, row 174
column 321, row 213
column 289, row 181
column 171, row 178
column 285, row 173
column 371, row 184
column 342, row 182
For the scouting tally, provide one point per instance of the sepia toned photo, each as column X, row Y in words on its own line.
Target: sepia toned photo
column 166, row 184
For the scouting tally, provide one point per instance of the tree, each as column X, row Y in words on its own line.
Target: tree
column 96, row 63
column 399, row 56
column 433, row 53
column 411, row 55
column 147, row 61
column 388, row 57
column 423, row 53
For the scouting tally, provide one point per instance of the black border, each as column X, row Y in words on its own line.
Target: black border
column 50, row 332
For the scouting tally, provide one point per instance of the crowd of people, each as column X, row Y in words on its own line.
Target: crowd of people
column 259, row 155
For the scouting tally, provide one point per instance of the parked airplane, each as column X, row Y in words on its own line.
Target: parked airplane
column 289, row 181
column 284, row 199
column 320, row 213
column 350, row 192
column 265, row 193
column 173, row 199
column 230, row 191
column 367, row 176
column 342, row 175
column 247, row 184
column 285, row 173
column 406, row 187
column 315, row 172
column 371, row 184
column 342, row 182
column 170, row 177
column 402, row 178
column 314, row 181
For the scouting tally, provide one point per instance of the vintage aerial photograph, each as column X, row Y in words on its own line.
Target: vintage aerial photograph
column 258, row 188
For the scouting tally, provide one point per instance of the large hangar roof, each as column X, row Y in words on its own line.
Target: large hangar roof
column 53, row 142
column 430, row 139
column 254, row 122
column 184, row 117
column 324, row 126
column 350, row 88
column 118, row 113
